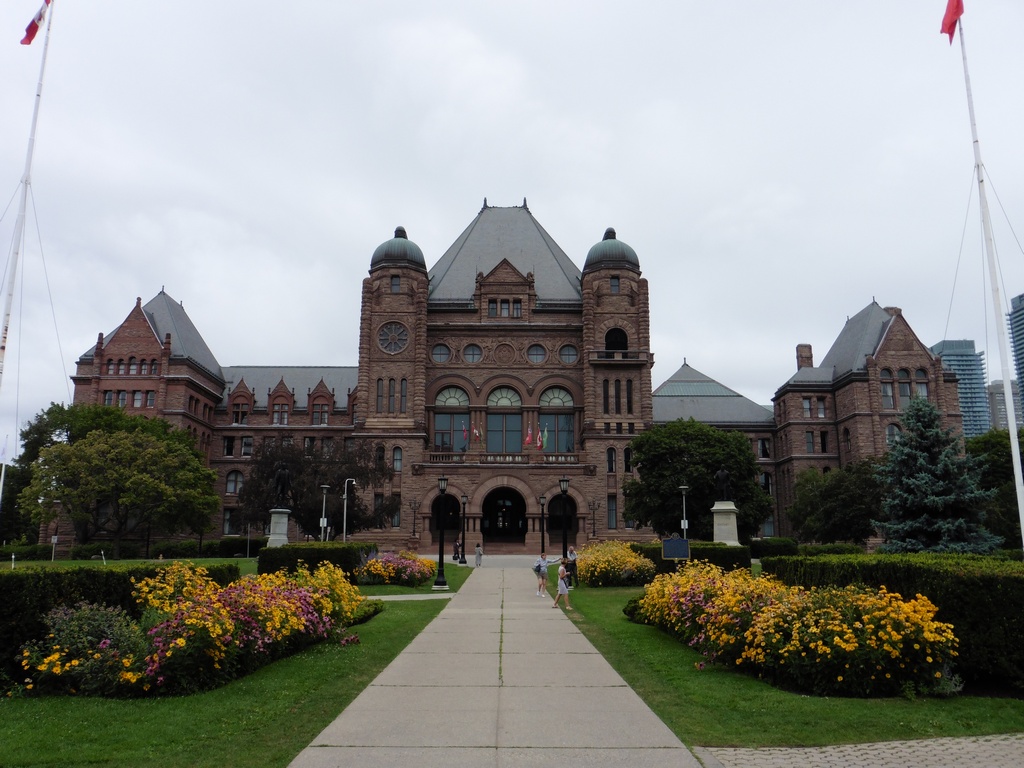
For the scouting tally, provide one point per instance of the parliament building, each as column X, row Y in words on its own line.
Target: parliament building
column 507, row 370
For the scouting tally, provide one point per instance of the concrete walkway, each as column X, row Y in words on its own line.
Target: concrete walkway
column 501, row 680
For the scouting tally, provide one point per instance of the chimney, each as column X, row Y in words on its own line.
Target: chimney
column 804, row 356
column 894, row 311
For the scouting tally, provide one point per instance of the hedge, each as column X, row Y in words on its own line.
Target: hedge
column 982, row 597
column 775, row 546
column 347, row 556
column 25, row 552
column 717, row 553
column 30, row 593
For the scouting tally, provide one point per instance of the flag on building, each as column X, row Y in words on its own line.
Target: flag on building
column 544, row 445
column 529, row 437
column 465, row 433
column 540, row 440
column 954, row 10
column 35, row 24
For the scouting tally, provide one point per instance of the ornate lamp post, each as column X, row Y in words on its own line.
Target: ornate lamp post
column 685, row 524
column 543, row 499
column 563, row 485
column 442, row 487
column 344, row 512
column 462, row 547
column 594, row 505
column 414, row 507
column 323, row 514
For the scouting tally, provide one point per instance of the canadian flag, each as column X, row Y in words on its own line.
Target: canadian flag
column 35, row 24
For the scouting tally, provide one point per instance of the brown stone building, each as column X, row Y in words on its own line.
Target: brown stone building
column 504, row 369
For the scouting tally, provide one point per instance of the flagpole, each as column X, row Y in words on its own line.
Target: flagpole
column 997, row 302
column 26, row 180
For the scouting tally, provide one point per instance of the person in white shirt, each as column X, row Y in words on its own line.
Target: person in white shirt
column 563, row 585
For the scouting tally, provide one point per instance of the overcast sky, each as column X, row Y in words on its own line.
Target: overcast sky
column 776, row 166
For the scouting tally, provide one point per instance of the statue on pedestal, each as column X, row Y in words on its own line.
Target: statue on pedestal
column 282, row 484
column 722, row 484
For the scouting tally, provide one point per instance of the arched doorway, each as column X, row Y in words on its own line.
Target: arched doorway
column 562, row 511
column 503, row 516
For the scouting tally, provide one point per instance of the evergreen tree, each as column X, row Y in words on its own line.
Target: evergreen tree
column 992, row 449
column 932, row 498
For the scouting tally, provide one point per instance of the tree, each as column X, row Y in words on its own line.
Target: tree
column 65, row 424
column 690, row 453
column 932, row 499
column 120, row 483
column 838, row 505
column 992, row 450
column 309, row 471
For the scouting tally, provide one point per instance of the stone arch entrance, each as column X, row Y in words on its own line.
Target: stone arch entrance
column 503, row 516
column 561, row 511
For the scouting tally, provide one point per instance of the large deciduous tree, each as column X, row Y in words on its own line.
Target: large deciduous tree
column 691, row 453
column 992, row 450
column 309, row 470
column 122, row 483
column 837, row 506
column 932, row 499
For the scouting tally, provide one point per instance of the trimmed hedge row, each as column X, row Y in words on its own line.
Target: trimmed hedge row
column 347, row 556
column 982, row 597
column 23, row 552
column 775, row 546
column 30, row 593
column 726, row 558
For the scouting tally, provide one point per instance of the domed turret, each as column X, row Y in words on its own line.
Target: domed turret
column 611, row 253
column 399, row 251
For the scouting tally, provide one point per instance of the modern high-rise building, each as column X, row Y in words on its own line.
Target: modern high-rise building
column 959, row 356
column 997, row 404
column 1016, row 322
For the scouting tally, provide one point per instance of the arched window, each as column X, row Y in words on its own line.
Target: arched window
column 120, row 367
column 616, row 340
column 618, row 396
column 154, row 367
column 380, row 455
column 629, row 396
column 605, row 395
column 391, row 395
column 847, row 442
column 557, row 420
column 144, row 367
column 504, row 421
column 452, row 427
column 611, row 460
column 766, row 482
column 903, row 376
column 403, row 396
column 892, row 432
column 235, row 480
column 110, row 366
column 396, row 459
column 627, row 459
column 133, row 366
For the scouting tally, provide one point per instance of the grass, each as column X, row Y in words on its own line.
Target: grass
column 720, row 707
column 261, row 721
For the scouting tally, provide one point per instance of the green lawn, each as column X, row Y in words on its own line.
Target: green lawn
column 721, row 707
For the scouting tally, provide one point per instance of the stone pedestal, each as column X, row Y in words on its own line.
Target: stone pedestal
column 278, row 527
column 725, row 523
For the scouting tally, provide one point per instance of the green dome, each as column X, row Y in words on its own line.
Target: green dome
column 399, row 251
column 612, row 253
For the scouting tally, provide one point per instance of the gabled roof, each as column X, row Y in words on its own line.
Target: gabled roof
column 511, row 234
column 300, row 379
column 688, row 393
column 165, row 315
column 860, row 337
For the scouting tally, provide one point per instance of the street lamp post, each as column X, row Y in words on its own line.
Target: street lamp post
column 344, row 511
column 462, row 547
column 414, row 507
column 323, row 514
column 442, row 487
column 563, row 485
column 543, row 499
column 685, row 524
column 594, row 505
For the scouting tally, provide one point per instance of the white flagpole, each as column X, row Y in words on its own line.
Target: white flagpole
column 26, row 179
column 997, row 302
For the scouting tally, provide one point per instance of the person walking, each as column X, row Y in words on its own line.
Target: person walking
column 479, row 554
column 540, row 567
column 574, row 580
column 563, row 584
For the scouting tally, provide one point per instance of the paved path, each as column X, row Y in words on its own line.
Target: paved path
column 501, row 680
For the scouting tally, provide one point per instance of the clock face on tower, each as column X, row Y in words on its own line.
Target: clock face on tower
column 393, row 337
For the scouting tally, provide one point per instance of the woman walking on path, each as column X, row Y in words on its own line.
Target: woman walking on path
column 541, row 569
column 479, row 555
column 563, row 585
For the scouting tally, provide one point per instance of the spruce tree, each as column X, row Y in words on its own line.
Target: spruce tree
column 933, row 501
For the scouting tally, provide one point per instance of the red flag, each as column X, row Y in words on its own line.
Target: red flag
column 954, row 10
column 34, row 25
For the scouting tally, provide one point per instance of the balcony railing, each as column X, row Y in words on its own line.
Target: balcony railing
column 619, row 356
column 481, row 457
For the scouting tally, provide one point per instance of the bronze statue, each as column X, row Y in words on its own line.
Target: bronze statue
column 722, row 484
column 282, row 483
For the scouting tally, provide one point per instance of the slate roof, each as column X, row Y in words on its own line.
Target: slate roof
column 505, row 233
column 300, row 378
column 688, row 393
column 165, row 315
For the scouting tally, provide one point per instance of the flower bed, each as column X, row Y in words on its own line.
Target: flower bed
column 851, row 641
column 613, row 564
column 194, row 634
column 405, row 569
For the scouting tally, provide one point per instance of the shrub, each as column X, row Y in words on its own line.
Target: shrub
column 130, row 550
column 613, row 564
column 815, row 550
column 776, row 545
column 91, row 649
column 174, row 549
column 847, row 642
column 406, row 569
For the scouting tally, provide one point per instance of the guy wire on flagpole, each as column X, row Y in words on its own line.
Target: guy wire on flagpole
column 26, row 179
column 997, row 303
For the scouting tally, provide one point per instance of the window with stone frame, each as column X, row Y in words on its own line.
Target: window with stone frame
column 452, row 427
column 320, row 411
